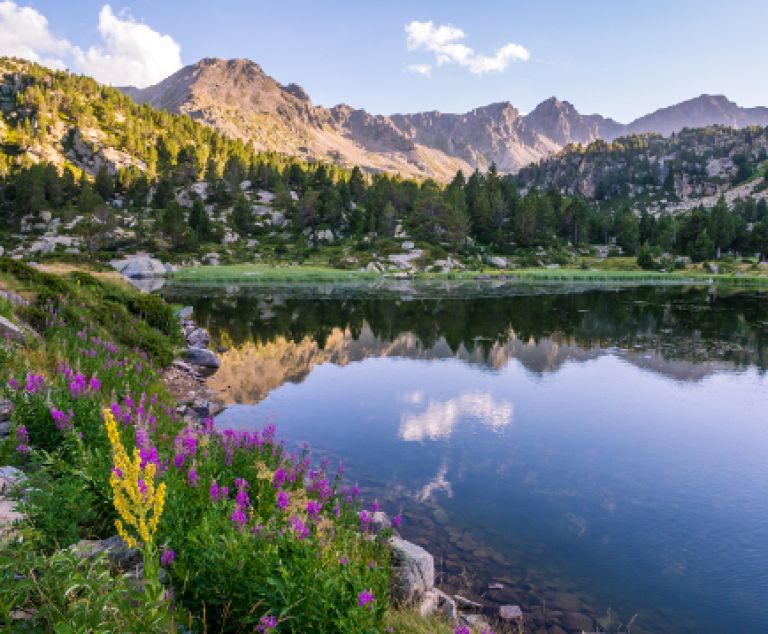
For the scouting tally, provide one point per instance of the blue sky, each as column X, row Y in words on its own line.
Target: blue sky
column 618, row 58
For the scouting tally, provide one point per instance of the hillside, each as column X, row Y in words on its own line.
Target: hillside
column 84, row 169
column 239, row 99
column 691, row 168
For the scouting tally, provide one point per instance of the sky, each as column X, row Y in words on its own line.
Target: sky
column 619, row 58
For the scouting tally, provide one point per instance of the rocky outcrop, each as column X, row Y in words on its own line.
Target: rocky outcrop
column 139, row 267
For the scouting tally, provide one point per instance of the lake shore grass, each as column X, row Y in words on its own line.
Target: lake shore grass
column 262, row 273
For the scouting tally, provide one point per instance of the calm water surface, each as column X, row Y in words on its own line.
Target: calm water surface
column 600, row 453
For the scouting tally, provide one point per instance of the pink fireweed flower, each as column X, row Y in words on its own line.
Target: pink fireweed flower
column 366, row 599
column 300, row 529
column 365, row 520
column 13, row 384
column 242, row 499
column 78, row 385
column 239, row 518
column 34, row 383
column 62, row 420
column 178, row 460
column 343, row 560
column 22, row 438
column 461, row 629
column 142, row 486
column 278, row 480
column 167, row 557
column 213, row 491
column 397, row 520
column 376, row 506
column 282, row 500
column 313, row 508
column 192, row 478
column 94, row 385
column 117, row 472
column 241, row 484
column 267, row 624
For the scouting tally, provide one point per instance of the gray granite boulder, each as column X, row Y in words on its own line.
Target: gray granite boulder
column 139, row 266
column 413, row 572
column 198, row 338
column 202, row 357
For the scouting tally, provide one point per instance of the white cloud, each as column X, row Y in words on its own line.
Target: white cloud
column 438, row 420
column 131, row 53
column 24, row 33
column 420, row 69
column 444, row 42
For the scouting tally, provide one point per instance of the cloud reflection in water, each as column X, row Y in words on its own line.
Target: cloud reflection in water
column 439, row 419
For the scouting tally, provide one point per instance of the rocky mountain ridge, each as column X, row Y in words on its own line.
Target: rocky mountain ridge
column 239, row 99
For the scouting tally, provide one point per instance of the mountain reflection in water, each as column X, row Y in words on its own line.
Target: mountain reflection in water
column 683, row 333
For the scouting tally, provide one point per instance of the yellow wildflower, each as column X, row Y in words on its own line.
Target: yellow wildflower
column 136, row 499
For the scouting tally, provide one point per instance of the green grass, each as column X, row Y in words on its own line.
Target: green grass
column 620, row 270
column 266, row 273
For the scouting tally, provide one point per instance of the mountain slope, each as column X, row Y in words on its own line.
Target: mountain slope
column 699, row 112
column 237, row 98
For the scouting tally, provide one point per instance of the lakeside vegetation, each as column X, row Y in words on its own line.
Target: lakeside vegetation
column 623, row 271
column 233, row 529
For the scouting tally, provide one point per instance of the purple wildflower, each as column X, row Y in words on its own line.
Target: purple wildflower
column 343, row 560
column 167, row 557
column 142, row 486
column 94, row 385
column 282, row 500
column 267, row 623
column 178, row 460
column 192, row 478
column 242, row 499
column 278, row 480
column 313, row 508
column 13, row 384
column 366, row 599
column 238, row 517
column 300, row 529
column 22, row 437
column 397, row 520
column 461, row 629
column 213, row 491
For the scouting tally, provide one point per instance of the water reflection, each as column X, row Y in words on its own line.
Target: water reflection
column 440, row 417
column 584, row 451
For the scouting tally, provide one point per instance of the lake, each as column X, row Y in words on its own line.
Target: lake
column 599, row 453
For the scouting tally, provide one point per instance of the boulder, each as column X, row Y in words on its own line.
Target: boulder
column 140, row 266
column 10, row 330
column 5, row 429
column 381, row 522
column 437, row 602
column 198, row 338
column 121, row 557
column 498, row 262
column 510, row 612
column 202, row 357
column 576, row 621
column 10, row 478
column 413, row 571
column 185, row 313
column 408, row 245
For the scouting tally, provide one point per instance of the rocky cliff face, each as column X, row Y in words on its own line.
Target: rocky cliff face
column 240, row 100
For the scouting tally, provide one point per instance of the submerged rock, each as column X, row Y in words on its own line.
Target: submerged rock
column 202, row 357
column 413, row 571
